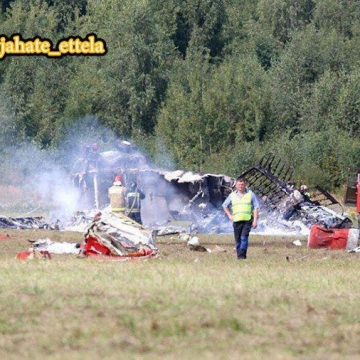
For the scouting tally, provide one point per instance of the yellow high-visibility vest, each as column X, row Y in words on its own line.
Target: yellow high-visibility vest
column 241, row 208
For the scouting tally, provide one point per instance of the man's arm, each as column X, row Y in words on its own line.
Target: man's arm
column 228, row 213
column 225, row 206
column 256, row 205
column 255, row 218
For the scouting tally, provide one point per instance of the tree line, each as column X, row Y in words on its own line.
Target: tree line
column 205, row 85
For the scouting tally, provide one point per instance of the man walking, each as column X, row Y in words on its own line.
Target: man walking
column 242, row 207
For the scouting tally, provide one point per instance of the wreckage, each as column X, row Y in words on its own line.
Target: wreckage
column 110, row 236
column 28, row 222
column 188, row 196
column 175, row 195
column 271, row 180
column 117, row 237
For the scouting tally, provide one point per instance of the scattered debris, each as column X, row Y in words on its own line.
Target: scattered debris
column 184, row 237
column 194, row 245
column 170, row 229
column 198, row 248
column 321, row 237
column 117, row 237
column 26, row 223
column 218, row 249
column 80, row 221
column 185, row 196
column 271, row 180
column 109, row 237
column 33, row 255
column 194, row 241
column 55, row 247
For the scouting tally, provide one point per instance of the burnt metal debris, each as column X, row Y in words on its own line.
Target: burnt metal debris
column 169, row 195
column 37, row 222
column 188, row 196
column 271, row 180
column 191, row 197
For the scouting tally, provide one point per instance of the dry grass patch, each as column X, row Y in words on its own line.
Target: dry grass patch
column 283, row 302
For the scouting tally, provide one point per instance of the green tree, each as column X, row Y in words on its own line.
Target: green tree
column 200, row 22
column 206, row 103
column 347, row 108
column 299, row 67
column 125, row 87
column 34, row 85
column 282, row 18
column 319, row 108
column 182, row 120
column 342, row 16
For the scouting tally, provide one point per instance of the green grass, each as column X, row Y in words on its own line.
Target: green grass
column 283, row 302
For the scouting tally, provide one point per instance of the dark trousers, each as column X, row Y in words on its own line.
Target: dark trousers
column 136, row 216
column 241, row 234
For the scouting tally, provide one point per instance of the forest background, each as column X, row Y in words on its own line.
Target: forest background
column 204, row 85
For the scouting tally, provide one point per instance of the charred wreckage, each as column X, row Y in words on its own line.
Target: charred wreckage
column 188, row 196
column 192, row 197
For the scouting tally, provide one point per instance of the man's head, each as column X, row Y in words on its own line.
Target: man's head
column 303, row 188
column 240, row 184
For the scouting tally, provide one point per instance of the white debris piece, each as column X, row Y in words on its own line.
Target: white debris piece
column 56, row 247
column 184, row 237
column 194, row 241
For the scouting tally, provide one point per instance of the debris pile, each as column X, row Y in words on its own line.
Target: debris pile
column 271, row 181
column 116, row 237
column 109, row 237
column 196, row 198
column 26, row 223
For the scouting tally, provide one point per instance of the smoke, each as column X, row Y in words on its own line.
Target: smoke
column 86, row 131
column 44, row 180
column 162, row 156
column 43, row 183
column 42, row 176
column 56, row 192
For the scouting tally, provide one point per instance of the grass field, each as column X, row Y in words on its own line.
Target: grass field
column 283, row 302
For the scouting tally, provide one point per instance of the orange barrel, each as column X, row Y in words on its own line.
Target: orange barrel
column 320, row 237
